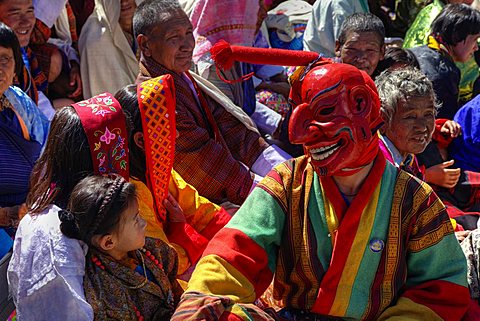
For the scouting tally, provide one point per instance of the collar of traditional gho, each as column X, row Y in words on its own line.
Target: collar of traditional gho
column 156, row 100
column 104, row 124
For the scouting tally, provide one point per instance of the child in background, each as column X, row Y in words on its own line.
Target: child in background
column 128, row 276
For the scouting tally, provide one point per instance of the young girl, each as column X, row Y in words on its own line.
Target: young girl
column 128, row 276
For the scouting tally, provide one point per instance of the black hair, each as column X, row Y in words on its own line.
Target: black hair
column 455, row 23
column 396, row 55
column 95, row 207
column 150, row 13
column 64, row 162
column 8, row 39
column 362, row 22
column 127, row 97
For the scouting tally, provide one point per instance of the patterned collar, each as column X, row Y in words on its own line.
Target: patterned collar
column 437, row 45
column 396, row 155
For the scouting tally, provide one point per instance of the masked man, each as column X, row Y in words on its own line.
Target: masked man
column 342, row 232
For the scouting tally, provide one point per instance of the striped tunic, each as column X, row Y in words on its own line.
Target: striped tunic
column 391, row 252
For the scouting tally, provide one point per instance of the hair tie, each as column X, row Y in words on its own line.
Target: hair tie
column 68, row 224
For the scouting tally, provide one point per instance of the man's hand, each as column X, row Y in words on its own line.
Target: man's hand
column 175, row 212
column 461, row 235
column 75, row 80
column 443, row 176
column 451, row 128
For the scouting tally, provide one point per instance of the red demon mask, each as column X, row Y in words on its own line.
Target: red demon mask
column 336, row 116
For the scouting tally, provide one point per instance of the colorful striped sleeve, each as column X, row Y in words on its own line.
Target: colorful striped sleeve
column 436, row 285
column 239, row 262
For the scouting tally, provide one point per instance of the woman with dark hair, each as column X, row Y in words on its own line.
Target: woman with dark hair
column 160, row 188
column 47, row 267
column 23, row 130
column 453, row 38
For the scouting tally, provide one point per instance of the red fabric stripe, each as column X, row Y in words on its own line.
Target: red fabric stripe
column 216, row 223
column 276, row 176
column 244, row 254
column 449, row 300
column 228, row 316
column 346, row 232
column 188, row 238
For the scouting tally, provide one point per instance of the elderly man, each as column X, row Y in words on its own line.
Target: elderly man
column 219, row 151
column 343, row 232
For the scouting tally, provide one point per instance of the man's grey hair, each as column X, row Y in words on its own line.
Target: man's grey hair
column 150, row 13
column 398, row 85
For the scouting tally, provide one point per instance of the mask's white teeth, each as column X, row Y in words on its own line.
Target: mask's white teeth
column 320, row 154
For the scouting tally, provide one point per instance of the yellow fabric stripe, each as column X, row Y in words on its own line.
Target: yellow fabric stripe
column 406, row 310
column 360, row 244
column 330, row 217
column 198, row 210
column 215, row 275
column 239, row 311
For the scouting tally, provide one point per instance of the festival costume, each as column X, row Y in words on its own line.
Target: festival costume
column 417, row 35
column 157, row 103
column 108, row 57
column 330, row 256
column 46, row 266
column 107, row 280
column 345, row 278
column 212, row 141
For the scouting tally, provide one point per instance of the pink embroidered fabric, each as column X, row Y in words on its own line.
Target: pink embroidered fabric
column 236, row 27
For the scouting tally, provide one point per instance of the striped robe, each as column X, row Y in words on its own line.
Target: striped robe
column 390, row 253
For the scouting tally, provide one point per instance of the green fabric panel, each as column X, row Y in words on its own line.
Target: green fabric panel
column 316, row 212
column 370, row 260
column 420, row 30
column 262, row 219
column 442, row 261
column 468, row 73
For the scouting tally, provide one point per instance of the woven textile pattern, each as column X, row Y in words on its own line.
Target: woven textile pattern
column 157, row 105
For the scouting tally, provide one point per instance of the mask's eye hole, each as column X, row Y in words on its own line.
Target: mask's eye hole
column 326, row 111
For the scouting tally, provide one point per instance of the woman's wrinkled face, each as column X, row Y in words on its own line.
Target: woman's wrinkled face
column 19, row 16
column 412, row 125
column 171, row 43
column 7, row 68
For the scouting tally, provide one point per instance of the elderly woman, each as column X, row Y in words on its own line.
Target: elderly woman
column 326, row 228
column 219, row 150
column 408, row 109
column 107, row 47
column 23, row 131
